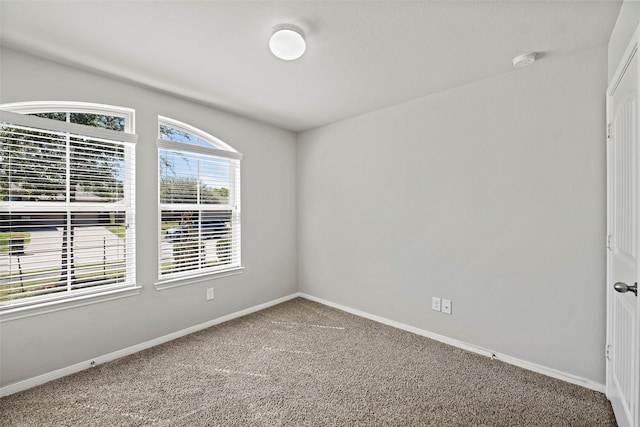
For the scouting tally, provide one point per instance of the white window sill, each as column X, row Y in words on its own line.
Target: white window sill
column 173, row 282
column 44, row 307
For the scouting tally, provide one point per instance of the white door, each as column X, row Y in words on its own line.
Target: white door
column 623, row 310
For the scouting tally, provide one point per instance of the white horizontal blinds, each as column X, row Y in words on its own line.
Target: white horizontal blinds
column 66, row 217
column 33, row 162
column 199, row 197
column 59, row 252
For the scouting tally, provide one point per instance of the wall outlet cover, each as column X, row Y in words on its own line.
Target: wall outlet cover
column 446, row 306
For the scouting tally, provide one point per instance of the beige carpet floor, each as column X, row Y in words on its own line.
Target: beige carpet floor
column 304, row 364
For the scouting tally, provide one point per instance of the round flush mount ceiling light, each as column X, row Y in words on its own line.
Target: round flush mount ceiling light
column 524, row 60
column 287, row 42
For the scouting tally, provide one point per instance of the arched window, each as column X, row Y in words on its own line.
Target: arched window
column 66, row 202
column 102, row 116
column 199, row 199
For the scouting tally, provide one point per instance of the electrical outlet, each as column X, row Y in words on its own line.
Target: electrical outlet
column 435, row 303
column 446, row 306
column 209, row 294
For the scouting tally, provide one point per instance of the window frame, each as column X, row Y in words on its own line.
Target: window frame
column 17, row 114
column 223, row 150
column 34, row 107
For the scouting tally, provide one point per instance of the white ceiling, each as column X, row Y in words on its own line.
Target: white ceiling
column 361, row 55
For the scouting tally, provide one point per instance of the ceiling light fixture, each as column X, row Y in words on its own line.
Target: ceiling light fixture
column 524, row 60
column 287, row 42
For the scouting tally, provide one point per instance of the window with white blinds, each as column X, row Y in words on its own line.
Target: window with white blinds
column 66, row 205
column 199, row 199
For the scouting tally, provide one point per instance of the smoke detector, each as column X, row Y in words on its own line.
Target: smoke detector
column 524, row 60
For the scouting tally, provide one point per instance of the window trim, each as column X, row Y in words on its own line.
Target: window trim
column 174, row 282
column 164, row 144
column 32, row 107
column 67, row 303
column 43, row 304
column 58, row 126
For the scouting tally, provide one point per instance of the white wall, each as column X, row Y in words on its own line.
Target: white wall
column 490, row 194
column 44, row 343
column 628, row 20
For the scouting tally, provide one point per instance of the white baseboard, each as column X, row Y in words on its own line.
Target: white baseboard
column 59, row 373
column 550, row 372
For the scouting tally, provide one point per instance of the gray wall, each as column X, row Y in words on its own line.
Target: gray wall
column 47, row 342
column 491, row 194
column 626, row 24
